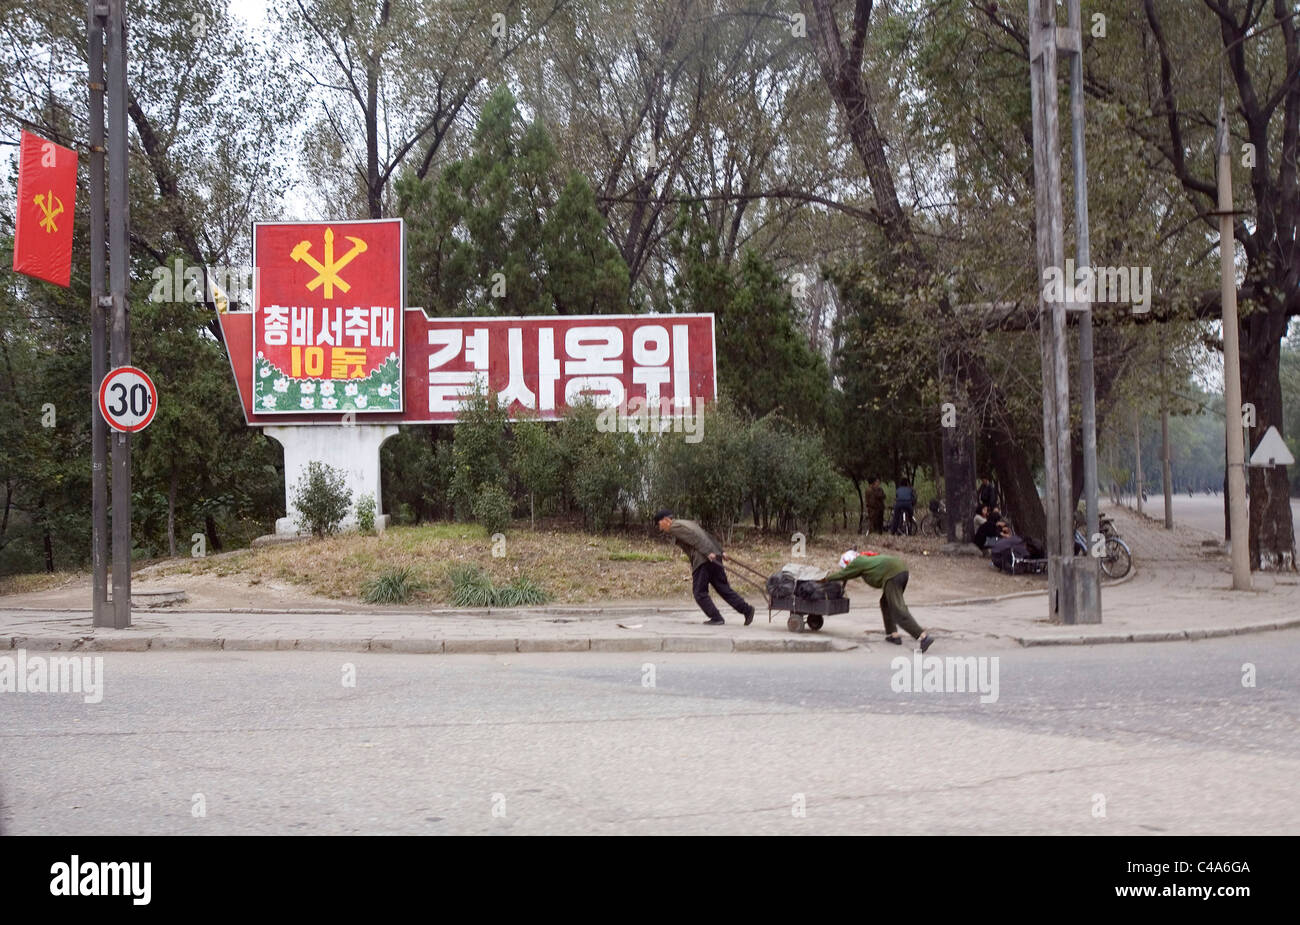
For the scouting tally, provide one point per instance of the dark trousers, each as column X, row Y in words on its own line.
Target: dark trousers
column 712, row 573
column 896, row 525
column 894, row 609
column 876, row 519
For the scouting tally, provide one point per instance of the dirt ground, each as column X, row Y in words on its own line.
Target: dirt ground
column 572, row 566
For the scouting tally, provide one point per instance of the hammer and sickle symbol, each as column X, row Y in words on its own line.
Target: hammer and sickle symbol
column 51, row 207
column 328, row 272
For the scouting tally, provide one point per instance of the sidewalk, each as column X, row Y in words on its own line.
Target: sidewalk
column 1179, row 590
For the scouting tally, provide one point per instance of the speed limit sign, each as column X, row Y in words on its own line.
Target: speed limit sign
column 128, row 399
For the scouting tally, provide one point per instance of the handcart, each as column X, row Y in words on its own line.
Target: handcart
column 809, row 600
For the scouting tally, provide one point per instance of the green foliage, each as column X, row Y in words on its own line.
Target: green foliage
column 708, row 480
column 765, row 362
column 493, row 235
column 322, row 499
column 394, row 586
column 492, row 508
column 416, row 469
column 480, row 453
column 519, row 592
column 537, row 464
column 472, row 587
column 366, row 513
column 606, row 470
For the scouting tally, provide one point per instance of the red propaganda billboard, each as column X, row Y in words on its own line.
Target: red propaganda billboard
column 327, row 317
column 47, row 193
column 539, row 366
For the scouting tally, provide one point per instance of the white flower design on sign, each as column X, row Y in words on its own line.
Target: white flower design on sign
column 327, row 388
column 268, row 401
column 281, row 385
column 385, row 390
column 307, row 402
column 350, row 389
column 329, row 404
column 307, row 388
column 362, row 401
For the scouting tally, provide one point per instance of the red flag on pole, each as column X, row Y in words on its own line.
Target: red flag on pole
column 47, row 193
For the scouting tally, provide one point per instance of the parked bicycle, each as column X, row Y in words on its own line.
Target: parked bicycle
column 934, row 523
column 1116, row 559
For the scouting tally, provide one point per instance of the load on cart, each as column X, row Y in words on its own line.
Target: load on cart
column 802, row 590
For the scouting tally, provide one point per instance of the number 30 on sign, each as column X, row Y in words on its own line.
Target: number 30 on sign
column 128, row 399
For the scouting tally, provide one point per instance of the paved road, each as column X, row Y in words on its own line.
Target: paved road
column 1161, row 737
column 1205, row 512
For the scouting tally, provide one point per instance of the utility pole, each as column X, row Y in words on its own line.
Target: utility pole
column 1066, row 594
column 1233, row 435
column 1137, row 452
column 96, row 14
column 1166, row 467
column 1088, row 569
column 119, row 283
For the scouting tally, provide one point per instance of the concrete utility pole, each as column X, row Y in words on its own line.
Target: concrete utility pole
column 1137, row 454
column 1069, row 600
column 96, row 14
column 1166, row 466
column 1232, row 367
column 1088, row 569
column 108, row 23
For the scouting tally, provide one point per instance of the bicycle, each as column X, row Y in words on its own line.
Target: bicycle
column 934, row 523
column 909, row 526
column 1116, row 559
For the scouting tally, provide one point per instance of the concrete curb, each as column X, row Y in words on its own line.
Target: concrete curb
column 450, row 645
column 1158, row 635
column 1132, row 573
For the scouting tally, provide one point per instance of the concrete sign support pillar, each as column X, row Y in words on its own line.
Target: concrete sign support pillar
column 354, row 450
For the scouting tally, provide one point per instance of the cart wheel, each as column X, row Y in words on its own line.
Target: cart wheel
column 795, row 623
column 815, row 621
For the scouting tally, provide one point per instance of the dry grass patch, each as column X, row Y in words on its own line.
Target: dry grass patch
column 572, row 566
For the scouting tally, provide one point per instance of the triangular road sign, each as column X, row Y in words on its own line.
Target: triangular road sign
column 1271, row 451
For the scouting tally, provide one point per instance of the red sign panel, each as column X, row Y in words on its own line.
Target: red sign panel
column 327, row 317
column 539, row 365
column 47, row 195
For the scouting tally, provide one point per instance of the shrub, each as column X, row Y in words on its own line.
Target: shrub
column 537, row 464
column 395, row 586
column 322, row 499
column 492, row 508
column 366, row 513
column 519, row 592
column 472, row 587
column 480, row 453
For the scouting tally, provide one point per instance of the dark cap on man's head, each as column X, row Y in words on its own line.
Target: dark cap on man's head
column 661, row 514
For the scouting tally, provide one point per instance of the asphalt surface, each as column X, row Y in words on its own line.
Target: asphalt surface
column 1205, row 512
column 1134, row 739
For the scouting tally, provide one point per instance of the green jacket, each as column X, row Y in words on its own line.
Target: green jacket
column 695, row 541
column 875, row 570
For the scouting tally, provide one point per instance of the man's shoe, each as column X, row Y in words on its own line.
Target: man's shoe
column 715, row 622
column 896, row 640
column 926, row 642
column 749, row 615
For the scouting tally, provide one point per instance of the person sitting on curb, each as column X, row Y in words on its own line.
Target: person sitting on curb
column 889, row 574
column 706, row 557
